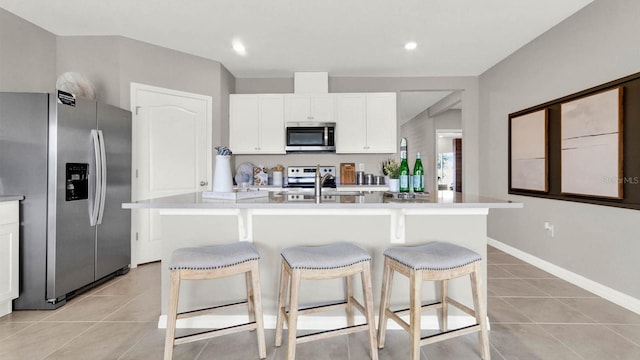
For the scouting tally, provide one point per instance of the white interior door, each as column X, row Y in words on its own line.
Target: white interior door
column 172, row 155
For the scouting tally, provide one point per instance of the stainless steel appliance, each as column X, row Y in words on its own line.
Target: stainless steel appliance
column 311, row 136
column 305, row 176
column 71, row 159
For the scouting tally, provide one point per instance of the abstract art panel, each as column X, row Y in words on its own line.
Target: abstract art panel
column 529, row 152
column 591, row 148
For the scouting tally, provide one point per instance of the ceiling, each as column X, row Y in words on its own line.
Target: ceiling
column 344, row 38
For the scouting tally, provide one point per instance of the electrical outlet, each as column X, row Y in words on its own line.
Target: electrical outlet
column 360, row 166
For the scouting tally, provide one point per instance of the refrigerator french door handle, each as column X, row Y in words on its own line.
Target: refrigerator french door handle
column 103, row 175
column 98, row 193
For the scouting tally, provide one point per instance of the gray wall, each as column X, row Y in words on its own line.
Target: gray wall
column 25, row 68
column 31, row 60
column 596, row 45
column 112, row 63
column 470, row 124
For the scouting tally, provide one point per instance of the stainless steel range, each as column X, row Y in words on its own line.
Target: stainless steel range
column 304, row 176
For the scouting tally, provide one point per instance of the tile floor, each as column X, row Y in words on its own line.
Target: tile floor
column 533, row 314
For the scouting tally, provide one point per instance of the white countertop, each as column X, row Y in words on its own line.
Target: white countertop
column 277, row 200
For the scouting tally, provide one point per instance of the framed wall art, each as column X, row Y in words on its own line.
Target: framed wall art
column 591, row 145
column 528, row 151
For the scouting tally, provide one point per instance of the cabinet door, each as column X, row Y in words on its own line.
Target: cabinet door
column 322, row 108
column 9, row 251
column 297, row 108
column 351, row 123
column 243, row 124
column 381, row 123
column 271, row 124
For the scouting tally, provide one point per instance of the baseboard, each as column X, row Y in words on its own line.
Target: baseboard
column 429, row 322
column 615, row 296
column 5, row 307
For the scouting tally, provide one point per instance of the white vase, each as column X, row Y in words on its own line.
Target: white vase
column 222, row 180
column 394, row 185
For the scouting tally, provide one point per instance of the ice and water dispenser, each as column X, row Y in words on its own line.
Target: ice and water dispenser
column 77, row 181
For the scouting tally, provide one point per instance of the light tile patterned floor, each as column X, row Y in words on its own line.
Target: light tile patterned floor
column 533, row 314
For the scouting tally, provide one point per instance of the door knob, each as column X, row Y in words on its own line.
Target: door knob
column 204, row 183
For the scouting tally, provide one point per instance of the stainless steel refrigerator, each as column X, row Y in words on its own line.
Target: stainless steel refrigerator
column 71, row 159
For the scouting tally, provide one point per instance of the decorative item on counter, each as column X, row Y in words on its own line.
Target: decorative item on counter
column 391, row 169
column 244, row 174
column 404, row 167
column 418, row 175
column 223, row 150
column 277, row 174
column 222, row 180
column 260, row 175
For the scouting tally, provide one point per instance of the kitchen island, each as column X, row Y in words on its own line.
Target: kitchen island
column 374, row 220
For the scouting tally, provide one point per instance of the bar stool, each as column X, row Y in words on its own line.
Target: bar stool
column 213, row 262
column 338, row 260
column 435, row 261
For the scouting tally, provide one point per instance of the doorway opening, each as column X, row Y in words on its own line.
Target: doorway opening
column 425, row 117
column 449, row 159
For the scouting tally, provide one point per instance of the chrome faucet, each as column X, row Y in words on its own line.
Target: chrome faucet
column 317, row 188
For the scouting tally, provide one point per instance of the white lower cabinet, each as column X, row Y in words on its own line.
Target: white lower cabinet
column 9, row 230
column 256, row 124
column 366, row 123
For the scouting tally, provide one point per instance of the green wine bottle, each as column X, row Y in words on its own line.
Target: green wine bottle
column 404, row 167
column 418, row 175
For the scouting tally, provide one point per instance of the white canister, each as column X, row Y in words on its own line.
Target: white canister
column 277, row 178
column 222, row 180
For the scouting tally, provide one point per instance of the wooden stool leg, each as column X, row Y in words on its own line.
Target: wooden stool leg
column 444, row 311
column 282, row 306
column 481, row 316
column 293, row 315
column 387, row 282
column 250, row 296
column 415, row 313
column 349, row 297
column 367, row 293
column 257, row 309
column 172, row 314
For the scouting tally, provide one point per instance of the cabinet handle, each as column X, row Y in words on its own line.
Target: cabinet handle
column 204, row 183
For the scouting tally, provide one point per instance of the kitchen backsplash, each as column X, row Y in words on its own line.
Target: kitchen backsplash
column 372, row 162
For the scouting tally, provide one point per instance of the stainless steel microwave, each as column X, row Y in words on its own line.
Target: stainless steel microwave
column 311, row 136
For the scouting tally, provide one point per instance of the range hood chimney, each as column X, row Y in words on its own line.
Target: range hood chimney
column 311, row 82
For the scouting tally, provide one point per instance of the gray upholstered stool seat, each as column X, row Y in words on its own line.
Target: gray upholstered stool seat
column 213, row 257
column 214, row 262
column 330, row 256
column 435, row 261
column 437, row 255
column 338, row 260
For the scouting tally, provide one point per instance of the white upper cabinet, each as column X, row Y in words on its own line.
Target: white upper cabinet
column 366, row 123
column 309, row 108
column 256, row 124
column 351, row 120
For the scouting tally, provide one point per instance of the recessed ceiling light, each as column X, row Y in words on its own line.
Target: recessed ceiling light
column 411, row 45
column 239, row 47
